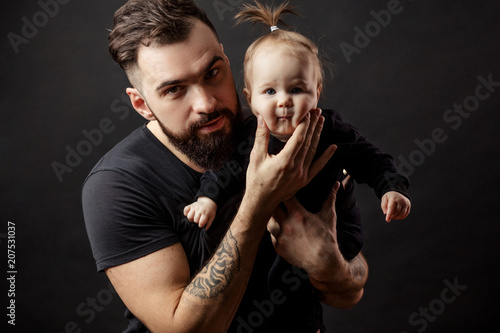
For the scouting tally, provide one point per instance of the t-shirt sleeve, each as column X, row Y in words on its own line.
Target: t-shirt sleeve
column 123, row 222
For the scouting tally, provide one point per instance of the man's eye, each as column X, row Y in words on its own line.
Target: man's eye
column 173, row 90
column 270, row 91
column 212, row 73
column 296, row 90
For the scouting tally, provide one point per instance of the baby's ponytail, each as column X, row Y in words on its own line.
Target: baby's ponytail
column 260, row 13
column 297, row 44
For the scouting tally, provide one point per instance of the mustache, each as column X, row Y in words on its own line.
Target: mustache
column 206, row 118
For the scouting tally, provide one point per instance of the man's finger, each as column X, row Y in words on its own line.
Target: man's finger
column 274, row 240
column 279, row 215
column 295, row 142
column 292, row 204
column 318, row 165
column 259, row 150
column 273, row 227
column 308, row 148
column 329, row 203
column 315, row 139
column 328, row 213
column 346, row 181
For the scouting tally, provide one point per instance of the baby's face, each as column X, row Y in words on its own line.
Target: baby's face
column 283, row 89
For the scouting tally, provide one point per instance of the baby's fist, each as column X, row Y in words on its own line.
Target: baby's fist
column 395, row 206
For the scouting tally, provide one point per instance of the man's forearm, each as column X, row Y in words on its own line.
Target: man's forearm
column 217, row 275
column 343, row 287
column 216, row 291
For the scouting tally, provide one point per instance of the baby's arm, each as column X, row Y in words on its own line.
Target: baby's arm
column 395, row 206
column 202, row 212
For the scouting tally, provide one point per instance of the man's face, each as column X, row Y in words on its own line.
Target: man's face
column 188, row 88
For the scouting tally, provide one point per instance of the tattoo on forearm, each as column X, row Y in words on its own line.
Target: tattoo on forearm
column 217, row 274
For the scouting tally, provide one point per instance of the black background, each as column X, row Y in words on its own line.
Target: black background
column 396, row 89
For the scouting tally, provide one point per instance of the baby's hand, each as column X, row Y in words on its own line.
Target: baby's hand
column 395, row 206
column 202, row 212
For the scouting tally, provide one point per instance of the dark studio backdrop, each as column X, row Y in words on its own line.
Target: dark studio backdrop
column 420, row 78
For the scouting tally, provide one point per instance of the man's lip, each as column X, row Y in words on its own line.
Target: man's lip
column 211, row 123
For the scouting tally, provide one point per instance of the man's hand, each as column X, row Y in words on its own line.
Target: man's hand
column 395, row 206
column 309, row 241
column 303, row 238
column 274, row 178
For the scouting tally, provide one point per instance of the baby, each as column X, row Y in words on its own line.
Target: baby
column 283, row 82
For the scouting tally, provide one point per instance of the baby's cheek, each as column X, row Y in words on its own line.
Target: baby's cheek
column 303, row 112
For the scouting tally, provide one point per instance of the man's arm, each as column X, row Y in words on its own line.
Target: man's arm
column 309, row 241
column 344, row 288
column 157, row 289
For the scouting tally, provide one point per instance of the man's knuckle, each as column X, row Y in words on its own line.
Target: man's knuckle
column 287, row 231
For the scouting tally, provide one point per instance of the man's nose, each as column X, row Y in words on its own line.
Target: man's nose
column 203, row 100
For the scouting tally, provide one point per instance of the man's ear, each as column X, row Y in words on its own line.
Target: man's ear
column 225, row 56
column 139, row 104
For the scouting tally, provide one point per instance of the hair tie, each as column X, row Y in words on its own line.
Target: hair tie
column 274, row 28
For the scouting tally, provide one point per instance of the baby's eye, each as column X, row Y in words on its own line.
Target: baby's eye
column 270, row 91
column 296, row 90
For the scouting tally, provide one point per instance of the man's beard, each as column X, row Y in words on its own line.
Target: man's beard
column 213, row 150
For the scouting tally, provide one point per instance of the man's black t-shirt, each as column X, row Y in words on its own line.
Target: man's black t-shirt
column 133, row 204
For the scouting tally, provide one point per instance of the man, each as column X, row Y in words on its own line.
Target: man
column 172, row 275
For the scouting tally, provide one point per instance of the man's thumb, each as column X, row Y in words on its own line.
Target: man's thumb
column 329, row 204
column 261, row 137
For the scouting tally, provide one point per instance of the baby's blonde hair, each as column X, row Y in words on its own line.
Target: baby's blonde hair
column 298, row 45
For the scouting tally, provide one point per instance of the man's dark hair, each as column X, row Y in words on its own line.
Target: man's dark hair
column 151, row 22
